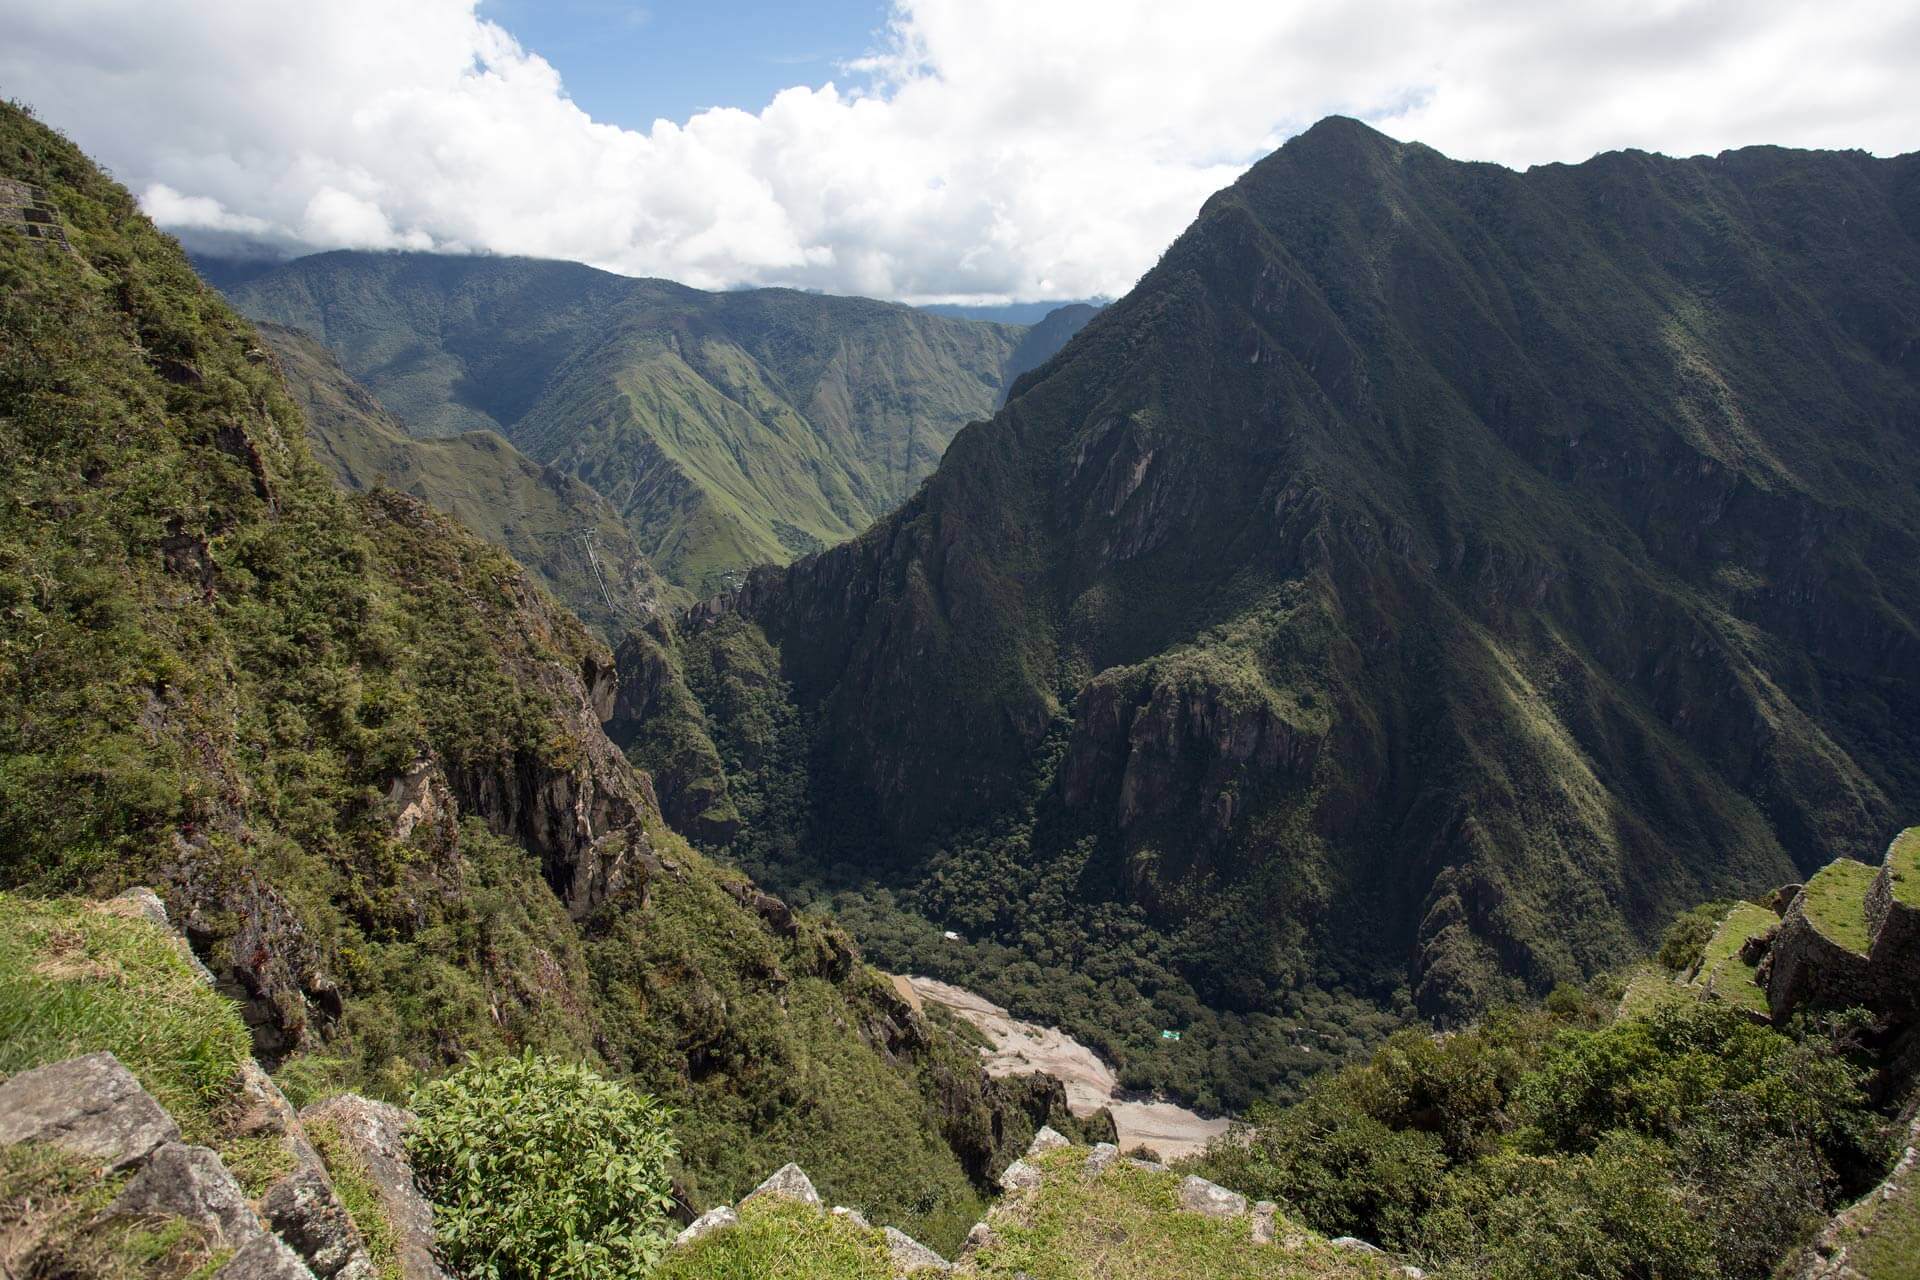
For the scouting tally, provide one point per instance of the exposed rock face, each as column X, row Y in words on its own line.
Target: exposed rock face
column 256, row 947
column 1178, row 747
column 265, row 1257
column 191, row 1183
column 375, row 1134
column 583, row 817
column 687, row 774
column 1197, row 1195
column 788, row 1182
column 90, row 1106
column 909, row 1256
column 707, row 1223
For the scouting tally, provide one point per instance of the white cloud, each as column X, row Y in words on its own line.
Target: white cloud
column 991, row 148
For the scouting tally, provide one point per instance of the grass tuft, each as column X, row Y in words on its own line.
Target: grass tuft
column 77, row 978
column 782, row 1240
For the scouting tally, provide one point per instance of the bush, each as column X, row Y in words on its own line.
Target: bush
column 1686, row 938
column 540, row 1168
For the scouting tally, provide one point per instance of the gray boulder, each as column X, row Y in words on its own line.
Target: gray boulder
column 1048, row 1139
column 191, row 1183
column 375, row 1134
column 788, row 1182
column 1197, row 1195
column 265, row 1257
column 980, row 1237
column 310, row 1218
column 910, row 1256
column 854, row 1216
column 91, row 1106
column 706, row 1224
column 1356, row 1245
column 1100, row 1159
column 1020, row 1176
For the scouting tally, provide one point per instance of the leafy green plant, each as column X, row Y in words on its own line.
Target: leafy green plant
column 542, row 1168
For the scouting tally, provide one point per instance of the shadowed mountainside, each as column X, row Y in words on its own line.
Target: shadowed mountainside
column 1428, row 573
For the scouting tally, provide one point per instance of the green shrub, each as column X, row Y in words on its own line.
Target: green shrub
column 1611, row 1215
column 539, row 1168
column 1686, row 938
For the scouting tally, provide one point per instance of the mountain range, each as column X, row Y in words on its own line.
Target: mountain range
column 1424, row 582
column 727, row 429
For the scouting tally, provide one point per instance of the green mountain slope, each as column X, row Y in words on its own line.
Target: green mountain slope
column 359, row 753
column 1430, row 574
column 564, row 532
column 728, row 429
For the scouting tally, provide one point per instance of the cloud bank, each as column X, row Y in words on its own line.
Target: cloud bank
column 985, row 150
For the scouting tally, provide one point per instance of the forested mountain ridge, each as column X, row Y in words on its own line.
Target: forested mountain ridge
column 359, row 752
column 1429, row 573
column 729, row 429
column 558, row 527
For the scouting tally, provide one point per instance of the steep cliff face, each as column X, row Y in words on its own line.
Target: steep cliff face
column 1445, row 560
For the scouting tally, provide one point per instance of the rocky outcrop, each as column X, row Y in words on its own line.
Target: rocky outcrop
column 1802, row 962
column 909, row 1257
column 94, row 1108
column 707, row 1223
column 1172, row 745
column 788, row 1182
column 91, row 1106
column 192, row 1184
column 1197, row 1195
column 255, row 946
column 374, row 1135
column 662, row 727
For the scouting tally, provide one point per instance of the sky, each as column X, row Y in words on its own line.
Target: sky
column 921, row 150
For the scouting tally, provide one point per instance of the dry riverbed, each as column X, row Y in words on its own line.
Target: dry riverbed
column 1020, row 1048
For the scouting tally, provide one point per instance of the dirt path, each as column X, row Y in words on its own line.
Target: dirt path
column 1020, row 1048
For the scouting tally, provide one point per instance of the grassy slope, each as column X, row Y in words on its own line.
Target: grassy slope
column 79, row 978
column 1722, row 971
column 728, row 429
column 213, row 663
column 1836, row 903
column 1905, row 863
column 1124, row 1225
column 1418, row 452
column 535, row 513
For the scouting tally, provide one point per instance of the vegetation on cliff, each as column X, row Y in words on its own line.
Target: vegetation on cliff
column 359, row 753
column 565, row 534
